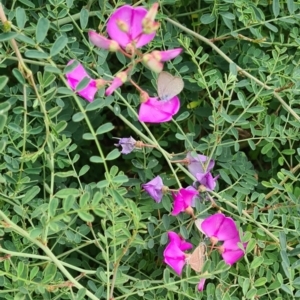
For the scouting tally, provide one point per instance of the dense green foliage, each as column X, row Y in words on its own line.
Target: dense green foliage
column 74, row 221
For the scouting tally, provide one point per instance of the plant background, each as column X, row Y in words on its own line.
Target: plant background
column 75, row 223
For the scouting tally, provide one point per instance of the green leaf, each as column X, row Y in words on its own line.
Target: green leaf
column 182, row 116
column 83, row 170
column 291, row 6
column 78, row 117
column 30, row 194
column 113, row 154
column 207, row 19
column 3, row 81
column 33, row 272
column 27, row 3
column 20, row 17
column 4, row 107
column 257, row 261
column 53, row 204
column 64, row 193
column 68, row 202
column 266, row 148
column 41, row 30
column 84, row 200
column 276, row 7
column 96, row 159
column 80, row 294
column 66, row 174
column 58, row 45
column 105, row 128
column 63, row 145
column 84, row 18
column 233, row 69
column 85, row 216
column 6, row 36
column 52, row 69
column 271, row 27
column 49, row 273
column 97, row 103
column 18, row 75
column 88, row 136
column 36, row 54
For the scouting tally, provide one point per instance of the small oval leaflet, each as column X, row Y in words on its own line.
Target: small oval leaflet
column 197, row 258
column 168, row 86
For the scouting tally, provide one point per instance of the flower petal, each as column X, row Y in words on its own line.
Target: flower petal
column 158, row 111
column 198, row 163
column 154, row 188
column 211, row 225
column 78, row 74
column 201, row 284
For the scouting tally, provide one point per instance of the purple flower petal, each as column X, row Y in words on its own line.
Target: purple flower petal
column 76, row 76
column 207, row 180
column 166, row 55
column 158, row 111
column 173, row 253
column 102, row 42
column 219, row 226
column 199, row 163
column 127, row 144
column 182, row 244
column 201, row 284
column 132, row 17
column 154, row 188
column 182, row 200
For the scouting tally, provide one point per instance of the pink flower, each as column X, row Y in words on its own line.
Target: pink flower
column 201, row 284
column 102, row 42
column 183, row 200
column 158, row 111
column 207, row 180
column 75, row 76
column 154, row 59
column 173, row 253
column 154, row 188
column 117, row 82
column 148, row 23
column 127, row 144
column 230, row 250
column 125, row 27
column 199, row 163
column 218, row 226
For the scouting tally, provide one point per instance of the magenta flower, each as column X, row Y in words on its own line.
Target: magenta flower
column 166, row 55
column 199, row 163
column 230, row 250
column 102, row 42
column 173, row 253
column 75, row 76
column 117, row 82
column 207, row 180
column 127, row 144
column 218, row 226
column 154, row 59
column 126, row 28
column 148, row 23
column 183, row 200
column 154, row 188
column 158, row 111
column 201, row 284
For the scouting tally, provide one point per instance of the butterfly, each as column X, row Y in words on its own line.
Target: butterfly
column 168, row 86
column 197, row 258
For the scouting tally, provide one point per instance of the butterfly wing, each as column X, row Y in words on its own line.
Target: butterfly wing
column 197, row 258
column 168, row 85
